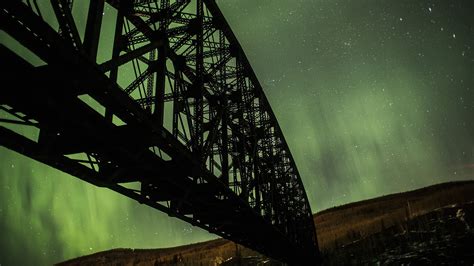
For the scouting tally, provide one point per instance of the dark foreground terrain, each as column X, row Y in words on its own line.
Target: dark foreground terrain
column 432, row 225
column 441, row 237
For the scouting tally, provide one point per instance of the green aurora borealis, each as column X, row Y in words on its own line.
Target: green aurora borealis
column 373, row 97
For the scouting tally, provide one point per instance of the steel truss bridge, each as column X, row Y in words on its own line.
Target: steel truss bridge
column 174, row 118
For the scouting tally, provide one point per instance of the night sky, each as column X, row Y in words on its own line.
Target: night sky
column 373, row 97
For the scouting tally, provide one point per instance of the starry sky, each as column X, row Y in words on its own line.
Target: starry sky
column 373, row 97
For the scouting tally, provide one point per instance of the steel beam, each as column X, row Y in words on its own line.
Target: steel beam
column 93, row 26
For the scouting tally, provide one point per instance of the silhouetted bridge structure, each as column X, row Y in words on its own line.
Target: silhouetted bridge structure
column 174, row 118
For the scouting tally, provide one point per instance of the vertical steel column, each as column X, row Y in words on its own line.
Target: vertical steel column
column 150, row 84
column 94, row 22
column 160, row 85
column 161, row 66
column 118, row 47
column 242, row 164
column 225, row 113
column 199, row 83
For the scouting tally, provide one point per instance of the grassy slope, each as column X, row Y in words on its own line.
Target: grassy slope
column 343, row 224
column 335, row 227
